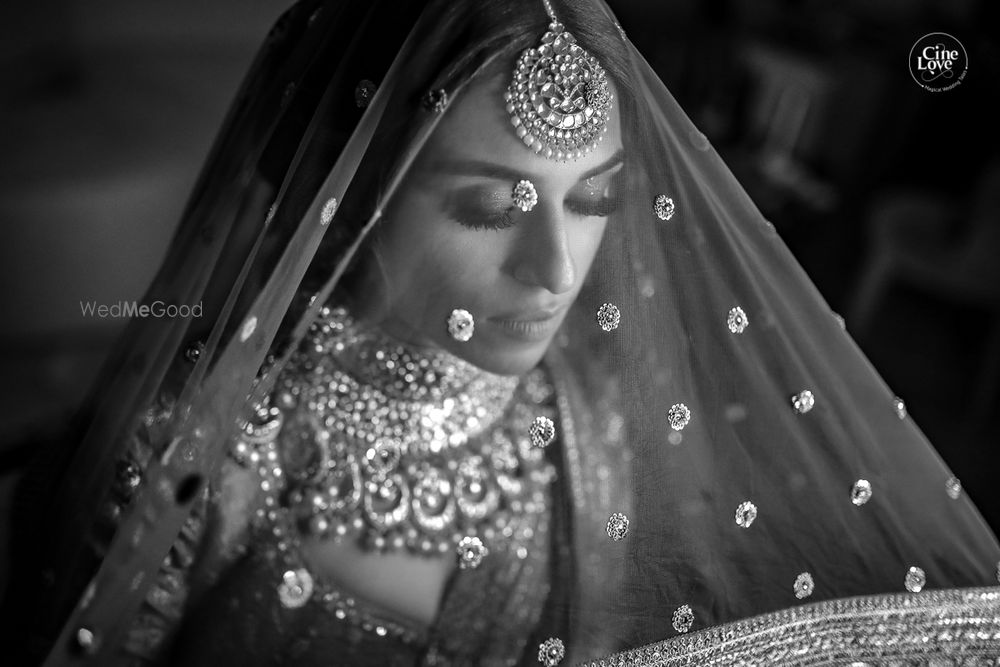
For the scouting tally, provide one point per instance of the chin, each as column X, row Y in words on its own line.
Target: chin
column 502, row 359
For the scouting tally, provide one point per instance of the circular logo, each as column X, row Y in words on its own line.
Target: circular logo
column 938, row 62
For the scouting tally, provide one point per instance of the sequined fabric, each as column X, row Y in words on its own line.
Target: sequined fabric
column 485, row 617
column 268, row 607
column 163, row 607
column 664, row 207
column 943, row 627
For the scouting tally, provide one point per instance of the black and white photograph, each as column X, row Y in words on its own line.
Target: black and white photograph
column 426, row 333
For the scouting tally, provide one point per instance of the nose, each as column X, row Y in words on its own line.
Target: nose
column 544, row 256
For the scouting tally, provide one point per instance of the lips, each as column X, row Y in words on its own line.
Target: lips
column 533, row 315
column 533, row 325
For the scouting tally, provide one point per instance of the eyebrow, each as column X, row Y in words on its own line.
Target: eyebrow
column 499, row 171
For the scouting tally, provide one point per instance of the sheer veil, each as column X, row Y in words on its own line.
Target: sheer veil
column 761, row 462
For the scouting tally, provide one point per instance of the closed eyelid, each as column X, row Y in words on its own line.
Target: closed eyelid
column 478, row 196
column 478, row 207
column 600, row 184
column 491, row 199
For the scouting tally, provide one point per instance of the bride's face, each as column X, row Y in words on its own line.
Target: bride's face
column 453, row 237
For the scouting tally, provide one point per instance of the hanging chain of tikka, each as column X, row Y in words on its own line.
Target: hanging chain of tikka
column 559, row 98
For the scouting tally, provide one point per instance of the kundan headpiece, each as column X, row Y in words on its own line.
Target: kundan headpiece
column 559, row 99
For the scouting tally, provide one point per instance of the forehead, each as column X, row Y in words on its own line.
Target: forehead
column 476, row 126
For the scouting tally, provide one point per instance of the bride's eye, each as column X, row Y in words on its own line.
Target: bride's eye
column 595, row 197
column 600, row 207
column 479, row 208
column 484, row 220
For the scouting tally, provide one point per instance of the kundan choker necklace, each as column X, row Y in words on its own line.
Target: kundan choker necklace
column 365, row 438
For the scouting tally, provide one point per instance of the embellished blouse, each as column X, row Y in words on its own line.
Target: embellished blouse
column 400, row 450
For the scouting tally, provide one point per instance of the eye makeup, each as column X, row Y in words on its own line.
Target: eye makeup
column 492, row 206
column 596, row 196
column 481, row 207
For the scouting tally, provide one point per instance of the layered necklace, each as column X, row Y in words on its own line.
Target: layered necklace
column 367, row 439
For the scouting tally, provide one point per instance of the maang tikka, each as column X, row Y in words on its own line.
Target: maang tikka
column 559, row 98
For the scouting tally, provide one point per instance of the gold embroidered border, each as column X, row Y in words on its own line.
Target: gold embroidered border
column 960, row 625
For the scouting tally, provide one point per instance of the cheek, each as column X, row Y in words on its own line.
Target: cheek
column 430, row 261
column 585, row 239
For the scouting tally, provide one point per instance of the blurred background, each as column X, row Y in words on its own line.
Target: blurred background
column 889, row 195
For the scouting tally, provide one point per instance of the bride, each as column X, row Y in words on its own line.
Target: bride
column 499, row 366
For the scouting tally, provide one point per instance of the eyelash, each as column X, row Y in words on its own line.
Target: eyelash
column 504, row 220
column 494, row 221
column 600, row 208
